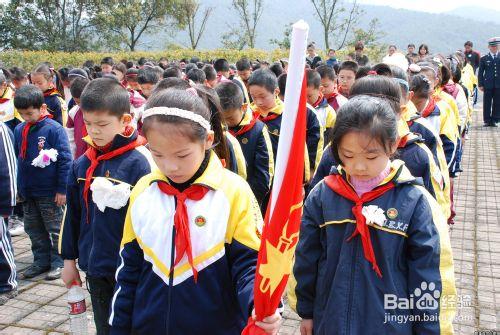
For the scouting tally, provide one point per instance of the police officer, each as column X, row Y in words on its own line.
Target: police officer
column 489, row 83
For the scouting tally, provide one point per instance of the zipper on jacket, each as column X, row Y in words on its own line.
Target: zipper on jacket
column 351, row 285
column 170, row 281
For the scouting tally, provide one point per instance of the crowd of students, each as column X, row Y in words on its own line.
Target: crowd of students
column 151, row 179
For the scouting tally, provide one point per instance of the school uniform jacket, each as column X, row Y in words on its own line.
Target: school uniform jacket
column 336, row 286
column 56, row 106
column 94, row 237
column 237, row 162
column 8, row 113
column 35, row 182
column 258, row 152
column 326, row 117
column 8, row 171
column 151, row 297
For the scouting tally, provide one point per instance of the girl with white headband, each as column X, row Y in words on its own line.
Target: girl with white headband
column 191, row 235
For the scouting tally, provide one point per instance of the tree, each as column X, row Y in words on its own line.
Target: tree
column 125, row 21
column 249, row 17
column 370, row 38
column 328, row 13
column 190, row 9
column 234, row 38
column 285, row 42
column 52, row 25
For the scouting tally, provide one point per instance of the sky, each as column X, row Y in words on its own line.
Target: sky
column 434, row 6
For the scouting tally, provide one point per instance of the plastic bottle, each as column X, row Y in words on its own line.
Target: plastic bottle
column 77, row 310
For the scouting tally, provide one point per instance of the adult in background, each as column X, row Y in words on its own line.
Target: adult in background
column 312, row 59
column 359, row 57
column 411, row 55
column 489, row 83
column 423, row 51
column 473, row 57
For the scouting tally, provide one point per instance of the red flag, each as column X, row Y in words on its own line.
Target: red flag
column 281, row 224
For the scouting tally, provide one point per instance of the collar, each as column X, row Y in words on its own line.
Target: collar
column 408, row 139
column 399, row 174
column 247, row 118
column 403, row 128
column 321, row 102
column 277, row 109
column 118, row 141
column 211, row 177
column 7, row 94
column 51, row 91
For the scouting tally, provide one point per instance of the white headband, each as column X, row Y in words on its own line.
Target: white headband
column 179, row 113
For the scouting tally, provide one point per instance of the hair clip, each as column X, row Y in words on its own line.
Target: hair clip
column 182, row 113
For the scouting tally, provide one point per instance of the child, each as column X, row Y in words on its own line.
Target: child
column 147, row 78
column 211, row 76
column 196, row 76
column 244, row 70
column 43, row 77
column 188, row 268
column 332, row 59
column 131, row 77
column 75, row 128
column 19, row 77
column 347, row 75
column 312, row 58
column 8, row 190
column 98, row 190
column 107, row 64
column 253, row 137
column 221, row 66
column 8, row 113
column 44, row 161
column 329, row 84
column 326, row 114
column 350, row 257
column 263, row 87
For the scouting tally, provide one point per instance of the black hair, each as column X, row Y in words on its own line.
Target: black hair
column 282, row 84
column 468, row 44
column 63, row 73
column 172, row 71
column 359, row 46
column 77, row 87
column 369, row 115
column 147, row 75
column 178, row 99
column 256, row 66
column 3, row 77
column 47, row 70
column 17, row 73
column 230, row 96
column 263, row 78
column 424, row 46
column 362, row 72
column 349, row 65
column 400, row 77
column 169, row 83
column 326, row 72
column 331, row 50
column 142, row 61
column 277, row 69
column 211, row 100
column 421, row 86
column 393, row 46
column 411, row 45
column 189, row 67
column 455, row 68
column 313, row 79
column 105, row 95
column 120, row 67
column 132, row 74
column 197, row 76
column 311, row 45
column 130, row 65
column 243, row 64
column 210, row 72
column 200, row 65
column 382, row 69
column 194, row 60
column 379, row 86
column 221, row 65
column 108, row 60
column 28, row 96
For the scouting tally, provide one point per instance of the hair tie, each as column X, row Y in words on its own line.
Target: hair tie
column 182, row 113
column 371, row 72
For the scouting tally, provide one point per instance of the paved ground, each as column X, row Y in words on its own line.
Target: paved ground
column 41, row 306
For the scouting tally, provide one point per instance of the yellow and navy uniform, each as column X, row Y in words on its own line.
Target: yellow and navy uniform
column 94, row 237
column 236, row 156
column 326, row 116
column 258, row 152
column 56, row 106
column 314, row 135
column 247, row 99
column 335, row 285
column 151, row 297
column 8, row 113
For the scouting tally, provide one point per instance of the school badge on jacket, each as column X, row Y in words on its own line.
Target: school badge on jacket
column 106, row 194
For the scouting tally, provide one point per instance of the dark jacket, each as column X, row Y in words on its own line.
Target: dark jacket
column 8, row 171
column 488, row 74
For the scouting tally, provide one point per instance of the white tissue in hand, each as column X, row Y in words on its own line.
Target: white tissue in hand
column 44, row 158
column 106, row 194
column 374, row 215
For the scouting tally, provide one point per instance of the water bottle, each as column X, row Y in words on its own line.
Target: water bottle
column 77, row 310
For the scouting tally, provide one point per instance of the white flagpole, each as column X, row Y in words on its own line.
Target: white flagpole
column 296, row 69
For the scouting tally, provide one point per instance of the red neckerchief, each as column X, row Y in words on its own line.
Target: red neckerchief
column 2, row 99
column 332, row 100
column 124, row 83
column 271, row 116
column 181, row 220
column 91, row 154
column 26, row 130
column 50, row 91
column 431, row 105
column 248, row 127
column 340, row 186
column 320, row 99
column 403, row 140
column 345, row 94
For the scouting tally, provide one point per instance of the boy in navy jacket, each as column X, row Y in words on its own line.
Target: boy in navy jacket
column 99, row 186
column 253, row 136
column 8, row 190
column 44, row 159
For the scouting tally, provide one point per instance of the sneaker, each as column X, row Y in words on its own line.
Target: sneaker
column 6, row 296
column 16, row 226
column 54, row 274
column 33, row 271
